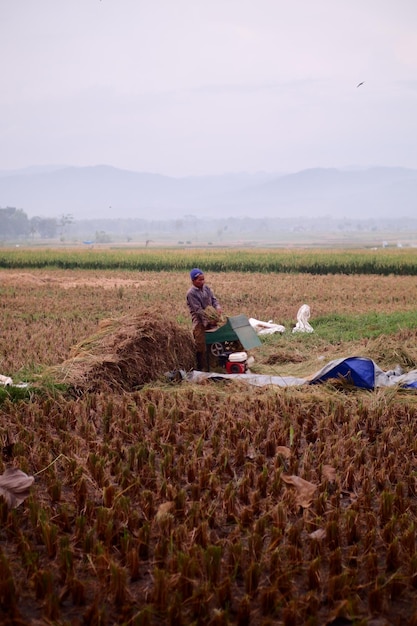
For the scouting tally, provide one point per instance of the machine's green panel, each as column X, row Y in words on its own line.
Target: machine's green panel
column 237, row 328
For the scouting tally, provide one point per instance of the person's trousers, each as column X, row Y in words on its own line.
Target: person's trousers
column 199, row 333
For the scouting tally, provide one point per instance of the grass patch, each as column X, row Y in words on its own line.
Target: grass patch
column 388, row 339
column 14, row 394
column 334, row 328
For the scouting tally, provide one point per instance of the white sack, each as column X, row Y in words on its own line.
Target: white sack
column 6, row 381
column 302, row 325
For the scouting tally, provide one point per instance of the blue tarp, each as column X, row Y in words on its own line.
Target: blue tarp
column 360, row 371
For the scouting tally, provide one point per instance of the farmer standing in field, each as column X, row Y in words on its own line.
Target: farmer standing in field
column 199, row 297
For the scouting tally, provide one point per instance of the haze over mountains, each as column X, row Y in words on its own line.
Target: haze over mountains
column 109, row 193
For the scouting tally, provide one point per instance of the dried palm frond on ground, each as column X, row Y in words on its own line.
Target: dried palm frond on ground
column 126, row 353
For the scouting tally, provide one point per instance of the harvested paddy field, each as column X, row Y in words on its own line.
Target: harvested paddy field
column 216, row 503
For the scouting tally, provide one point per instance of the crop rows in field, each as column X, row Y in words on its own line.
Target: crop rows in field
column 316, row 262
column 210, row 504
column 181, row 507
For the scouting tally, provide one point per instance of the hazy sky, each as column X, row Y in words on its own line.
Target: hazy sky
column 182, row 87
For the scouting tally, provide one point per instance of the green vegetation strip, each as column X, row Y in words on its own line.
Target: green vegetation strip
column 14, row 394
column 399, row 262
column 335, row 328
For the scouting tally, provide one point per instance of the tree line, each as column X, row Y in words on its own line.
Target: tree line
column 15, row 224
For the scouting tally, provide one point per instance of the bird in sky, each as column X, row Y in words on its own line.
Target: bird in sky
column 359, row 84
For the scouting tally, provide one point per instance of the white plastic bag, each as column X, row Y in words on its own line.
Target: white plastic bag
column 302, row 325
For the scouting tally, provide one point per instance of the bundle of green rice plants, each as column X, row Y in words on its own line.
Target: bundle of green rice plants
column 235, row 558
column 96, row 612
column 8, row 590
column 263, row 482
column 244, row 489
column 281, row 572
column 390, row 530
column 212, row 557
column 268, row 600
column 143, row 538
column 294, row 533
column 49, row 533
column 81, row 493
column 229, row 504
column 28, row 554
column 66, row 559
column 185, row 568
column 106, row 526
column 310, row 607
column 290, row 614
column 333, row 533
column 214, row 487
column 96, row 465
column 55, row 490
column 243, row 612
column 338, row 588
column 118, row 584
column 252, row 578
column 314, row 575
column 44, row 584
column 393, row 559
column 412, row 570
column 246, row 516
column 279, row 516
column 78, row 591
column 160, row 589
column 352, row 530
column 133, row 562
column 376, row 597
column 408, row 539
column 386, row 506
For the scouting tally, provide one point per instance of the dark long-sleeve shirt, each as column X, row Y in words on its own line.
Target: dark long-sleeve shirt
column 198, row 300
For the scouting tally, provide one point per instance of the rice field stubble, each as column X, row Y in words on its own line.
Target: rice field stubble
column 186, row 504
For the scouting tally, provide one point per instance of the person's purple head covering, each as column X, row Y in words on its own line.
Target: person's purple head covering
column 195, row 272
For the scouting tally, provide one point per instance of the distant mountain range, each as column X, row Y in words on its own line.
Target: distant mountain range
column 107, row 192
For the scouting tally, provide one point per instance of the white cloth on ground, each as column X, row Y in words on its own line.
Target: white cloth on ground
column 265, row 328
